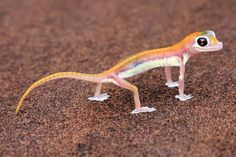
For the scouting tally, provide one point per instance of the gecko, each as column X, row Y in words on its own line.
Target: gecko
column 173, row 56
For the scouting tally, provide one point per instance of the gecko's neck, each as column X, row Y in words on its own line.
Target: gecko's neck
column 178, row 49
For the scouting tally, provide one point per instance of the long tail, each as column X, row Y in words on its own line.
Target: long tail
column 75, row 75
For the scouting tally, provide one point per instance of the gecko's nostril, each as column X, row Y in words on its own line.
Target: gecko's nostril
column 221, row 45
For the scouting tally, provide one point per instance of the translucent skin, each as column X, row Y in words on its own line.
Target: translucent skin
column 176, row 55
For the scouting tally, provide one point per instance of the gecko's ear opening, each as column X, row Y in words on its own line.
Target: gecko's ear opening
column 211, row 33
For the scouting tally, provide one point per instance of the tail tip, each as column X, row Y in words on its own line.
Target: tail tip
column 17, row 109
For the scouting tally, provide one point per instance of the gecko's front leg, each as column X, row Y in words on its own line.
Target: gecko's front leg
column 98, row 96
column 182, row 96
column 169, row 82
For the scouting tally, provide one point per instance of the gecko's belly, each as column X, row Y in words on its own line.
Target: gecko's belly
column 140, row 68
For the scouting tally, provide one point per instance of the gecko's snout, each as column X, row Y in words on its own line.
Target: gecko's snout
column 221, row 45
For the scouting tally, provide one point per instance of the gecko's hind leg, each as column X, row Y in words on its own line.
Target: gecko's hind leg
column 125, row 84
column 169, row 82
column 97, row 95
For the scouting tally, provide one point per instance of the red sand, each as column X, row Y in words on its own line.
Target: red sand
column 38, row 38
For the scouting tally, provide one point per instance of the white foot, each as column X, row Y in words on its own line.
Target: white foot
column 183, row 97
column 143, row 109
column 172, row 84
column 101, row 97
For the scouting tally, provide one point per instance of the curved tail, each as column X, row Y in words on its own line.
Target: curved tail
column 74, row 75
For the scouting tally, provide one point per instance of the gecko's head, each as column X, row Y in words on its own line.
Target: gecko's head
column 203, row 42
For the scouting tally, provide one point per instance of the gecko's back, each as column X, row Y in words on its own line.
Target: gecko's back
column 146, row 60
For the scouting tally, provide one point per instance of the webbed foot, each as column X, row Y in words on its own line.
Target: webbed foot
column 183, row 97
column 101, row 97
column 143, row 109
column 172, row 84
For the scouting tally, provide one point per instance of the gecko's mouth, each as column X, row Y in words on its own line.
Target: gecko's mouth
column 216, row 47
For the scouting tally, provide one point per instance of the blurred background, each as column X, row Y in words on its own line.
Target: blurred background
column 38, row 38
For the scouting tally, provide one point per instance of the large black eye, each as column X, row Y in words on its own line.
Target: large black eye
column 202, row 41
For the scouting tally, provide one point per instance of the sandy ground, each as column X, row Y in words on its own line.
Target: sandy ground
column 38, row 38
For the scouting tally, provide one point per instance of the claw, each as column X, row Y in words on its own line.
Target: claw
column 183, row 97
column 172, row 84
column 143, row 109
column 101, row 97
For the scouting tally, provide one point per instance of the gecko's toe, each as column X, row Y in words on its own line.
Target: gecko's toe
column 183, row 97
column 172, row 84
column 101, row 97
column 143, row 109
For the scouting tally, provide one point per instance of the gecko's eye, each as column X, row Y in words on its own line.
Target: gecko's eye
column 202, row 41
